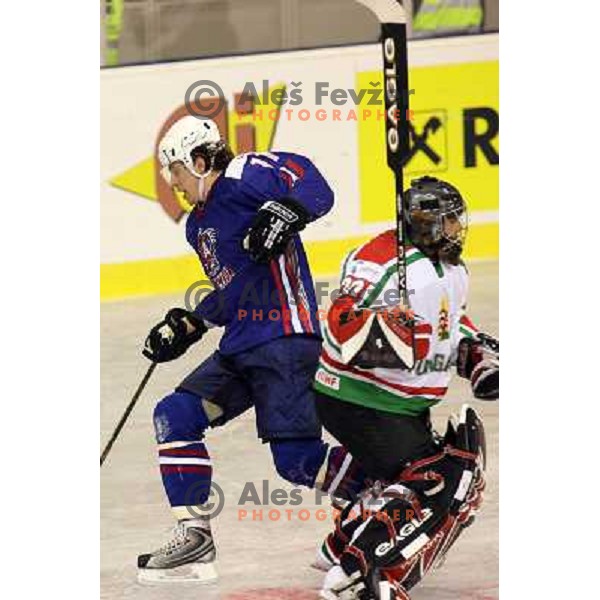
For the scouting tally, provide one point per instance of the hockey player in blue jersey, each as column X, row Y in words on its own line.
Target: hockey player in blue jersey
column 244, row 226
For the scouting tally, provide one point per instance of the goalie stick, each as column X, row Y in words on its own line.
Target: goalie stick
column 392, row 18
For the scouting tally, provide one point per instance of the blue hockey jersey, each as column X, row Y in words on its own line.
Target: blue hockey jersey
column 254, row 302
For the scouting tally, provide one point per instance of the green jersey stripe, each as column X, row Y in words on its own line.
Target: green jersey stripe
column 368, row 394
column 356, row 375
column 330, row 341
column 468, row 332
column 413, row 257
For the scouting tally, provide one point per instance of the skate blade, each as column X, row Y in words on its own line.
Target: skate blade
column 322, row 562
column 191, row 573
column 320, row 565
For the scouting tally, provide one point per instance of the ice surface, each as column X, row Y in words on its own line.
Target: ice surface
column 268, row 559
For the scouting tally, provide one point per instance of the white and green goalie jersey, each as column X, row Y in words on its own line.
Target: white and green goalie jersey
column 437, row 295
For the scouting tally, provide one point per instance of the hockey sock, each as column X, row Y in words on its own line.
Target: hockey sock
column 340, row 475
column 185, row 465
column 186, row 471
column 313, row 463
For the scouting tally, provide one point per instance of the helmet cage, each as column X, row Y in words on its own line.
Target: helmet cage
column 431, row 206
column 455, row 242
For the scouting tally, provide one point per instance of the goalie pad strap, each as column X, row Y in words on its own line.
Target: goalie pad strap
column 359, row 556
column 410, row 474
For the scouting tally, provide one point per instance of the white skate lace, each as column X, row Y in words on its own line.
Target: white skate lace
column 180, row 537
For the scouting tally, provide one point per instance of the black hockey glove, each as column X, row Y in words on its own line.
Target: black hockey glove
column 470, row 353
column 276, row 222
column 485, row 379
column 478, row 361
column 171, row 338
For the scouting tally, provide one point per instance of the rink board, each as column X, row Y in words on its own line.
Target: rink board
column 455, row 82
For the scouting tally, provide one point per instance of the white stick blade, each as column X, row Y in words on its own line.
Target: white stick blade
column 387, row 11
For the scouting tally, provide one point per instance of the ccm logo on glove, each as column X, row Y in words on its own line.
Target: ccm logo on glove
column 275, row 224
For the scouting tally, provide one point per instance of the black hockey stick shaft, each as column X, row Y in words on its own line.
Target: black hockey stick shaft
column 392, row 18
column 127, row 412
column 396, row 103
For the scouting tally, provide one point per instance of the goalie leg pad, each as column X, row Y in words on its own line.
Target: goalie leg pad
column 389, row 520
column 423, row 514
column 461, row 465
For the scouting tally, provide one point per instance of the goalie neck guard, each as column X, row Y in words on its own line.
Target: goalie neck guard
column 436, row 217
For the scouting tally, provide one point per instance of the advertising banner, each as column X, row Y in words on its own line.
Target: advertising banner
column 326, row 104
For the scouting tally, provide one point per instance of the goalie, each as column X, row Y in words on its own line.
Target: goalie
column 428, row 487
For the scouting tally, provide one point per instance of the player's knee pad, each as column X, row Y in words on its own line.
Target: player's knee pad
column 298, row 461
column 180, row 416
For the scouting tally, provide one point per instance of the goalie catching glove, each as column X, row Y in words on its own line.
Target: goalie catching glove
column 171, row 338
column 385, row 337
column 275, row 224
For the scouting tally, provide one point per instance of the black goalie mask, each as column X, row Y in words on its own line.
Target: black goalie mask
column 436, row 217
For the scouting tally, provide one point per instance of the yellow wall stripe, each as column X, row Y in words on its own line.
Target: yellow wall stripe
column 168, row 275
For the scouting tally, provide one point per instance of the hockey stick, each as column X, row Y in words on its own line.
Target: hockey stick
column 127, row 412
column 392, row 18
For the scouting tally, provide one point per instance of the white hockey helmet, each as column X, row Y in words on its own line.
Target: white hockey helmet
column 181, row 138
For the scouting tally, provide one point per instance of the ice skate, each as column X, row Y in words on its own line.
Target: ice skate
column 339, row 586
column 188, row 557
column 325, row 558
column 327, row 554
